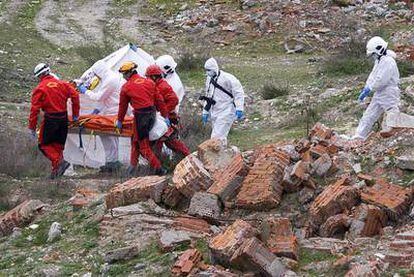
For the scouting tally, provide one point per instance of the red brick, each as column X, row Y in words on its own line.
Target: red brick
column 20, row 216
column 318, row 150
column 326, row 245
column 205, row 205
column 367, row 221
column 371, row 269
column 394, row 199
column 172, row 197
column 190, row 176
column 320, row 132
column 225, row 244
column 83, row 197
column 186, row 263
column 322, row 165
column 335, row 226
column 369, row 180
column 262, row 188
column 335, row 199
column 254, row 256
column 278, row 236
column 230, row 179
column 192, row 224
column 135, row 190
column 303, row 145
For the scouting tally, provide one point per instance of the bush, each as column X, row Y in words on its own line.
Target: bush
column 271, row 91
column 192, row 60
column 406, row 68
column 93, row 53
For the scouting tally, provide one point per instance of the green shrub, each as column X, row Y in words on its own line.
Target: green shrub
column 406, row 68
column 191, row 61
column 272, row 91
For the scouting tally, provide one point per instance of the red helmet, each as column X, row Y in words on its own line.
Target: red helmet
column 153, row 70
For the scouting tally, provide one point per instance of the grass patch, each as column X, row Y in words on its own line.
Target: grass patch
column 308, row 256
column 272, row 90
column 406, row 68
column 192, row 61
column 202, row 246
column 169, row 7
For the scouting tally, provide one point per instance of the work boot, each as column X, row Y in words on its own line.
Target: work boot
column 110, row 167
column 131, row 171
column 161, row 171
column 62, row 168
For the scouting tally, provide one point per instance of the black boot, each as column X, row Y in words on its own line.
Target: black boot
column 62, row 168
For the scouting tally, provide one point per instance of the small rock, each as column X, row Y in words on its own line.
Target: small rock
column 171, row 238
column 122, row 254
column 140, row 266
column 357, row 168
column 17, row 232
column 34, row 226
column 405, row 162
column 55, row 232
column 52, row 271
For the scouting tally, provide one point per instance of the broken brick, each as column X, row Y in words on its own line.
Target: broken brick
column 226, row 243
column 20, row 216
column 205, row 205
column 369, row 180
column 262, row 188
column 367, row 221
column 401, row 250
column 322, row 165
column 172, row 197
column 190, row 176
column 335, row 226
column 230, row 180
column 83, row 197
column 335, row 199
column 394, row 199
column 371, row 269
column 191, row 224
column 252, row 255
column 318, row 150
column 135, row 190
column 187, row 262
column 303, row 145
column 325, row 245
column 170, row 239
column 320, row 132
column 278, row 236
column 295, row 175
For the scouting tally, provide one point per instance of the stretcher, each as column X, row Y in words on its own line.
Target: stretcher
column 101, row 125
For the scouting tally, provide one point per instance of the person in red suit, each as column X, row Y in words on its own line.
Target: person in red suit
column 51, row 96
column 170, row 99
column 141, row 93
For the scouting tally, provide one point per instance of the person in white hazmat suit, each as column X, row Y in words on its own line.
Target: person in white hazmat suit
column 383, row 80
column 104, row 88
column 168, row 67
column 224, row 100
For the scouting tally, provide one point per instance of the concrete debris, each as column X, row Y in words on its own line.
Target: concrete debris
column 367, row 221
column 335, row 226
column 205, row 205
column 371, row 269
column 400, row 250
column 55, row 232
column 326, row 245
column 172, row 198
column 322, row 165
column 186, row 263
column 399, row 120
column 123, row 254
column 224, row 245
column 405, row 162
column 20, row 216
column 136, row 190
column 191, row 176
column 252, row 255
column 170, row 239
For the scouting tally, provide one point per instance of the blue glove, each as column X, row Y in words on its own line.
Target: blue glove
column 205, row 118
column 32, row 134
column 168, row 122
column 239, row 114
column 96, row 111
column 82, row 89
column 118, row 124
column 133, row 47
column 75, row 118
column 364, row 93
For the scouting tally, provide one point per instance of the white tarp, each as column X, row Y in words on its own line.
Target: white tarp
column 92, row 154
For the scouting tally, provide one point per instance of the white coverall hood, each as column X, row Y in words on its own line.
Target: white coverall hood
column 384, row 81
column 211, row 64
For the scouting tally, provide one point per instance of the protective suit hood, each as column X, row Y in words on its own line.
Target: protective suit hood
column 100, row 69
column 211, row 64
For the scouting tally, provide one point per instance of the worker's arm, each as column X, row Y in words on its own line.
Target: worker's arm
column 170, row 99
column 238, row 93
column 123, row 104
column 160, row 104
column 36, row 105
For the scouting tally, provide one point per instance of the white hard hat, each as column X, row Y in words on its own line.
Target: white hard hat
column 376, row 45
column 166, row 63
column 41, row 69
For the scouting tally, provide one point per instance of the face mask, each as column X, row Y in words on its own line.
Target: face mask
column 374, row 57
column 210, row 73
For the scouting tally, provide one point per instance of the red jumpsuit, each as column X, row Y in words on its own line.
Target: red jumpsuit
column 171, row 101
column 51, row 96
column 142, row 95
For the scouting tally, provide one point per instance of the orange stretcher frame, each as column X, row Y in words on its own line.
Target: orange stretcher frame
column 102, row 124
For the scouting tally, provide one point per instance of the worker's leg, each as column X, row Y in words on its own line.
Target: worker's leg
column 370, row 116
column 177, row 146
column 110, row 145
column 53, row 153
column 146, row 151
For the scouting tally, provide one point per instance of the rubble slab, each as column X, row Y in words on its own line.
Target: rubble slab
column 367, row 221
column 186, row 262
column 205, row 205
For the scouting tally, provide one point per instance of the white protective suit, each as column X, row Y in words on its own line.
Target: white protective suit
column 106, row 94
column 223, row 113
column 383, row 80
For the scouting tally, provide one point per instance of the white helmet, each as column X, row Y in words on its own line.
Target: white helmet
column 41, row 69
column 166, row 63
column 376, row 45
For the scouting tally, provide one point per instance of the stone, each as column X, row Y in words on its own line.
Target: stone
column 205, row 205
column 231, row 177
column 190, row 176
column 83, row 197
column 262, row 188
column 399, row 120
column 394, row 199
column 335, row 226
column 216, row 156
column 136, row 190
column 322, row 165
column 335, row 199
column 371, row 269
column 51, row 271
column 55, row 232
column 278, row 236
column 170, row 239
column 325, row 245
column 224, row 245
column 367, row 221
column 20, row 216
column 122, row 254
column 369, row 180
column 405, row 162
column 186, row 262
column 252, row 255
